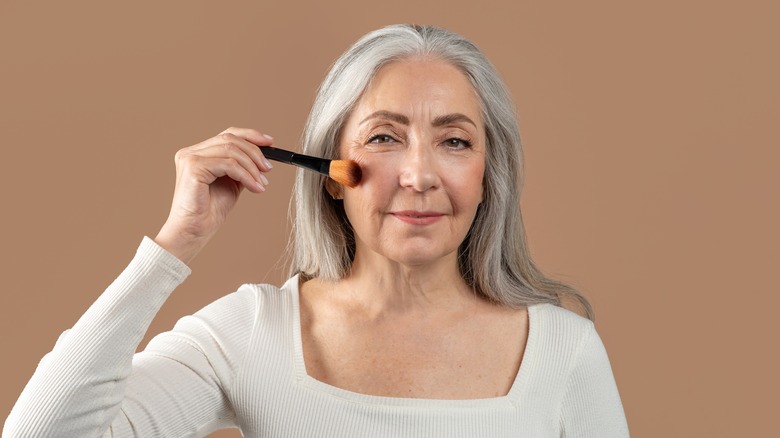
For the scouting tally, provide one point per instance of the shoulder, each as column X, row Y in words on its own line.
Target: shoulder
column 560, row 335
column 252, row 301
column 590, row 403
column 231, row 319
column 562, row 321
column 222, row 330
column 254, row 308
column 574, row 341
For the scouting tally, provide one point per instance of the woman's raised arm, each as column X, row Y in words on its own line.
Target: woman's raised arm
column 91, row 384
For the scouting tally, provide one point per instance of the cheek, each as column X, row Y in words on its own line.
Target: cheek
column 374, row 166
column 365, row 203
column 466, row 185
column 378, row 181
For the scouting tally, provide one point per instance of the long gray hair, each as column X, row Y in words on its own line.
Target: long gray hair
column 494, row 258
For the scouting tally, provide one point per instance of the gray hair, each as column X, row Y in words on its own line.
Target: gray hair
column 494, row 258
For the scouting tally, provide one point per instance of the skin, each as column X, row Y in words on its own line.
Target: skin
column 403, row 323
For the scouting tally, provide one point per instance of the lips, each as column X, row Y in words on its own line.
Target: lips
column 417, row 217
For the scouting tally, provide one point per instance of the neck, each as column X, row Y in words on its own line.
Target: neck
column 383, row 287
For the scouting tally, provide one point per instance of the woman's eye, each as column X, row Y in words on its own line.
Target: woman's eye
column 457, row 143
column 381, row 138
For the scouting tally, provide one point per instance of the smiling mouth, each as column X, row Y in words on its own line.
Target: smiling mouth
column 417, row 217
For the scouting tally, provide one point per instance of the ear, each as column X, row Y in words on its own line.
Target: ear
column 334, row 189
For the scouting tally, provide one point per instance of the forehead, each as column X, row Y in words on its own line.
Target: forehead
column 419, row 86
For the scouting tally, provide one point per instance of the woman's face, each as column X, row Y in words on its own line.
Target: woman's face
column 418, row 135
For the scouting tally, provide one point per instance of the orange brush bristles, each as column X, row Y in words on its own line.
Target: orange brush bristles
column 346, row 172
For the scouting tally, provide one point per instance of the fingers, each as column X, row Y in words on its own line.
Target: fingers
column 247, row 139
column 251, row 138
column 205, row 169
column 219, row 167
column 247, row 159
column 239, row 147
column 251, row 135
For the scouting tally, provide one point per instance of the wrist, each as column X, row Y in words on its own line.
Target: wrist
column 181, row 245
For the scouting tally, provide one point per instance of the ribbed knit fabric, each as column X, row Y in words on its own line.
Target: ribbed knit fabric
column 238, row 362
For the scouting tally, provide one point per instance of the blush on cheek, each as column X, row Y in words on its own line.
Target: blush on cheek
column 368, row 201
column 357, row 155
column 375, row 168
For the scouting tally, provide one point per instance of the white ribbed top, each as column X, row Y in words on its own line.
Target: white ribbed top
column 238, row 362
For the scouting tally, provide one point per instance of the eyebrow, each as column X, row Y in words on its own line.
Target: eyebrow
column 402, row 119
column 449, row 119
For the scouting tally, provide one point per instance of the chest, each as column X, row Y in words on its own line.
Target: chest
column 466, row 359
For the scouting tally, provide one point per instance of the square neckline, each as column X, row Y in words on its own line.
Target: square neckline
column 512, row 397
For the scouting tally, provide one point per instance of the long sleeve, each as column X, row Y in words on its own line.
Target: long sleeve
column 91, row 384
column 591, row 405
column 239, row 361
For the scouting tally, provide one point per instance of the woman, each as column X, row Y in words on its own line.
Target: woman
column 414, row 308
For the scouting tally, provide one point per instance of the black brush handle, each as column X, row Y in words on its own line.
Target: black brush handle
column 320, row 165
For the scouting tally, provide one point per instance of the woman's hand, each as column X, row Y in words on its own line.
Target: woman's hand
column 209, row 178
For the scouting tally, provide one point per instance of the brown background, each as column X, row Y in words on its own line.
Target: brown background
column 650, row 134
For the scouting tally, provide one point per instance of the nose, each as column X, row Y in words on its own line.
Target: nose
column 419, row 170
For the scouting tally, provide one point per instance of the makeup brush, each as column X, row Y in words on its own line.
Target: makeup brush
column 346, row 172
